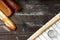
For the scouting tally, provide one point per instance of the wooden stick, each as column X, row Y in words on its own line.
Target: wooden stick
column 14, row 5
column 45, row 27
column 7, row 21
column 5, row 8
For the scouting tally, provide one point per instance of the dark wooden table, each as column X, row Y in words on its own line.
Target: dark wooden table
column 23, row 31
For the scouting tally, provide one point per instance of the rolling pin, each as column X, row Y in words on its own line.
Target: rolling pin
column 5, row 12
column 5, row 8
column 13, row 4
column 8, row 22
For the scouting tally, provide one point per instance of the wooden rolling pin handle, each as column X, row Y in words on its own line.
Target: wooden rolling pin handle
column 5, row 8
column 15, row 6
column 7, row 21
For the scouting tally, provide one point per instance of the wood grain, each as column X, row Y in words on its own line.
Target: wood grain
column 45, row 27
column 9, row 23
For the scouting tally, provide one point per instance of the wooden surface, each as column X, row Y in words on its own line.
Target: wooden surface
column 19, row 20
column 45, row 27
column 23, row 34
